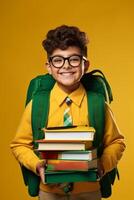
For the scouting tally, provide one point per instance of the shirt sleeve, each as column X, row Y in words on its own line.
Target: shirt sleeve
column 22, row 144
column 113, row 142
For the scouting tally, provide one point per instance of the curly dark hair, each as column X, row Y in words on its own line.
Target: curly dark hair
column 63, row 37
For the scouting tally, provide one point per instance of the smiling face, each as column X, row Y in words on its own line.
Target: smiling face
column 67, row 77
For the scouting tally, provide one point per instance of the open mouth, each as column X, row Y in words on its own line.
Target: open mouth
column 67, row 73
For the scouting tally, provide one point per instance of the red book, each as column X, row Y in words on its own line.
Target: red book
column 71, row 165
column 48, row 154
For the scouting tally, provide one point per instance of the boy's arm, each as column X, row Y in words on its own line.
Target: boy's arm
column 22, row 144
column 113, row 143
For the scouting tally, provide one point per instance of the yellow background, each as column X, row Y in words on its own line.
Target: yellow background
column 24, row 24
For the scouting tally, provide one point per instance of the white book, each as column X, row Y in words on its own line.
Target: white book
column 74, row 133
column 78, row 155
column 46, row 146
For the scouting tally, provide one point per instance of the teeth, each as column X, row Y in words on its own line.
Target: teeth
column 67, row 73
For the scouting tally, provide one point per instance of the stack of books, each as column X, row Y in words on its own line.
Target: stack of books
column 69, row 154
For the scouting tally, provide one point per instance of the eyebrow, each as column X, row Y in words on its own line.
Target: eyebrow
column 58, row 55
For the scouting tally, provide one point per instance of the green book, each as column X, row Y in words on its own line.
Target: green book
column 71, row 176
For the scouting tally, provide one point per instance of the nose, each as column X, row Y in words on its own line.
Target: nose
column 66, row 64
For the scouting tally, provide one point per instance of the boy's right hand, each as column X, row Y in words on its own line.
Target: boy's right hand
column 40, row 168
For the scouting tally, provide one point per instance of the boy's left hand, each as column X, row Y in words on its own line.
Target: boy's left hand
column 100, row 169
column 40, row 168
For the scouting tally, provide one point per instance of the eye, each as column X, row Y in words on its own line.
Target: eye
column 74, row 59
column 57, row 59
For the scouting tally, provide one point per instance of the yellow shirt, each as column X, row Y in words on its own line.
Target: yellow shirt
column 22, row 146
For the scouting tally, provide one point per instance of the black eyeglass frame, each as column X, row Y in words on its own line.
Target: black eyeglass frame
column 68, row 59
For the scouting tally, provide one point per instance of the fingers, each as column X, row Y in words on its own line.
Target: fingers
column 42, row 174
column 40, row 168
column 100, row 169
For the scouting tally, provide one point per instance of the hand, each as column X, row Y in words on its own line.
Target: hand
column 100, row 169
column 40, row 168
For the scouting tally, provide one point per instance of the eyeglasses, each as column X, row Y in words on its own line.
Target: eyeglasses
column 59, row 61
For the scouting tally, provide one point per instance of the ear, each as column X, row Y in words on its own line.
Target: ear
column 86, row 64
column 47, row 65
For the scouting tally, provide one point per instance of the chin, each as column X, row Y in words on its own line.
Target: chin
column 70, row 85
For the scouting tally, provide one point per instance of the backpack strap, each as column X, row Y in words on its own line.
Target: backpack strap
column 40, row 107
column 107, row 89
column 96, row 115
column 39, row 84
column 95, row 81
column 96, row 112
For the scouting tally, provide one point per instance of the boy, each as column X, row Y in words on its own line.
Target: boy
column 66, row 48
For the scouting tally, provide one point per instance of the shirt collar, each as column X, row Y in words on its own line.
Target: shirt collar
column 76, row 96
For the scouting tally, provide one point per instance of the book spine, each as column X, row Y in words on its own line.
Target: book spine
column 78, row 155
column 48, row 154
column 69, row 155
column 71, row 177
column 71, row 165
column 59, row 165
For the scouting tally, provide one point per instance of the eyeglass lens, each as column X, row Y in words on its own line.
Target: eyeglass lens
column 58, row 61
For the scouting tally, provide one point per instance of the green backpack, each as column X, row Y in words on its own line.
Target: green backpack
column 98, row 91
